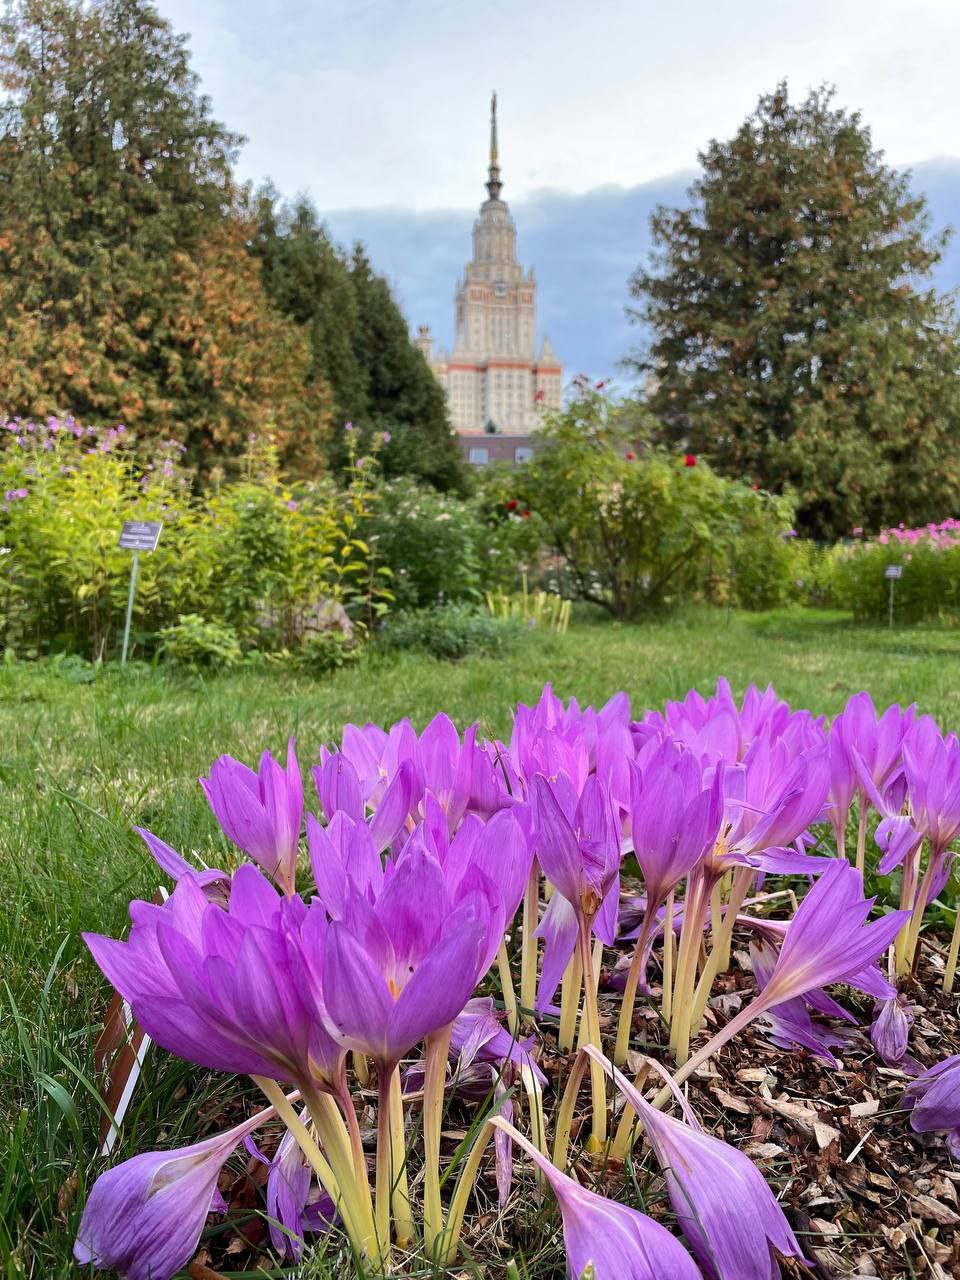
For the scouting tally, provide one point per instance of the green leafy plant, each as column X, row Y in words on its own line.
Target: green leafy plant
column 327, row 651
column 266, row 560
column 448, row 632
column 634, row 528
column 929, row 585
column 194, row 642
column 430, row 541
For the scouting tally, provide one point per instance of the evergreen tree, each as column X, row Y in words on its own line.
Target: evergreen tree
column 127, row 292
column 361, row 344
column 403, row 396
column 796, row 340
column 308, row 279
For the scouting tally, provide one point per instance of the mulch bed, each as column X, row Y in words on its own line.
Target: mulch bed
column 865, row 1195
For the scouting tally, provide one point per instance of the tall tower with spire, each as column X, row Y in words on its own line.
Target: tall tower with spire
column 495, row 384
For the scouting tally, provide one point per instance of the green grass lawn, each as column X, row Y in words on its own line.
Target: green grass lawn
column 81, row 763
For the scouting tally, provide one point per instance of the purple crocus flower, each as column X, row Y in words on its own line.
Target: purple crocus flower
column 578, row 846
column 447, row 766
column 376, row 755
column 618, row 1242
column 875, row 745
column 340, row 791
column 674, row 819
column 829, row 940
column 226, row 989
column 404, row 966
column 260, row 812
column 674, row 822
column 338, row 787
column 890, row 1033
column 216, row 883
column 771, row 800
column 843, row 783
column 144, row 1217
column 933, row 1100
column 790, row 1023
column 295, row 1204
column 931, row 766
column 344, row 858
column 502, row 849
column 726, row 1210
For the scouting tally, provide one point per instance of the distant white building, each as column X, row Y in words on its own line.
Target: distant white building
column 493, row 377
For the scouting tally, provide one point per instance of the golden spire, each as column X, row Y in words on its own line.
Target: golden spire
column 493, row 181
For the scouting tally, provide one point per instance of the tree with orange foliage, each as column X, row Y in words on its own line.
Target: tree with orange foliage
column 127, row 291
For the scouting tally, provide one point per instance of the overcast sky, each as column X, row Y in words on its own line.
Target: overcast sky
column 383, row 103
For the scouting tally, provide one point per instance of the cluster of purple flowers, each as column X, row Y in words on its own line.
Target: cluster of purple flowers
column 68, row 441
column 425, row 851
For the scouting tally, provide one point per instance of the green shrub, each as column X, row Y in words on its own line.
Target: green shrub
column 446, row 631
column 324, row 652
column 194, row 642
column 513, row 539
column 254, row 556
column 67, row 491
column 636, row 529
column 928, row 588
column 430, row 543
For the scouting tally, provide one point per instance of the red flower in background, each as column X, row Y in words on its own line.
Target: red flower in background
column 629, row 456
column 525, row 514
column 512, row 504
column 690, row 460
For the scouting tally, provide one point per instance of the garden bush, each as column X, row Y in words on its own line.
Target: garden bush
column 194, row 642
column 446, row 631
column 929, row 586
column 634, row 528
column 265, row 561
column 324, row 652
column 430, row 541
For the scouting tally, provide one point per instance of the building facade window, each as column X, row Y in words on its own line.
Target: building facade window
column 523, row 453
column 479, row 456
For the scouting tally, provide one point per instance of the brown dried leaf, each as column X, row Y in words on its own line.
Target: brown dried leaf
column 933, row 1211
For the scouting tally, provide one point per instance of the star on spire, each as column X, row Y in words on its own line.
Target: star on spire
column 494, row 184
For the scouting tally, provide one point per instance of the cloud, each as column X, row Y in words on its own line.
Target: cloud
column 369, row 103
column 584, row 247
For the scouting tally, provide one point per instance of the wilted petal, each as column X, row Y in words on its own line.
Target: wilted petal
column 934, row 1098
column 144, row 1217
column 890, row 1032
column 725, row 1208
column 619, row 1242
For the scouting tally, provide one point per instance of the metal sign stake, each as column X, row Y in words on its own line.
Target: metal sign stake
column 133, row 587
column 892, row 573
column 136, row 536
